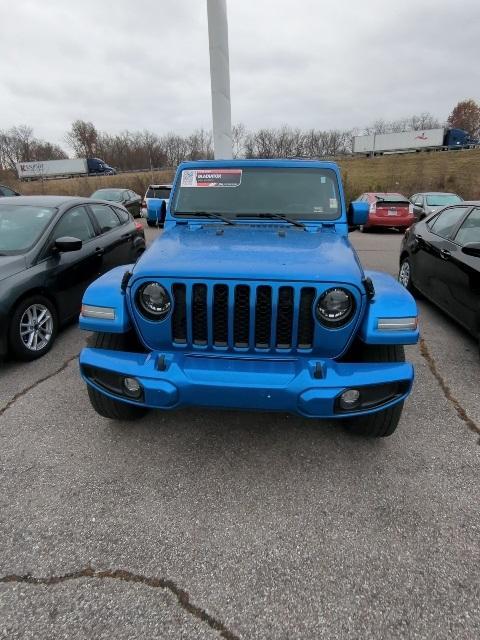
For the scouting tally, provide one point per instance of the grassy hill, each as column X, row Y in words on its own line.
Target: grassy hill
column 457, row 171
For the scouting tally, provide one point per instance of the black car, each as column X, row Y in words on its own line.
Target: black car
column 440, row 258
column 7, row 192
column 51, row 249
column 129, row 199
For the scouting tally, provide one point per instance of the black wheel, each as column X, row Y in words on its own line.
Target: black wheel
column 151, row 223
column 405, row 276
column 33, row 328
column 364, row 229
column 383, row 423
column 103, row 405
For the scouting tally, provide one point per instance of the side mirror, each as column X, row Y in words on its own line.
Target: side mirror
column 472, row 249
column 66, row 244
column 358, row 213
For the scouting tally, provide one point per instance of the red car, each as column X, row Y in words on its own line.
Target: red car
column 387, row 210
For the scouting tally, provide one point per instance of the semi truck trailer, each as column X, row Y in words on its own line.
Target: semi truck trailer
column 405, row 141
column 43, row 169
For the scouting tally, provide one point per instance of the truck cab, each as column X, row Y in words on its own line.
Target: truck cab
column 97, row 166
column 252, row 298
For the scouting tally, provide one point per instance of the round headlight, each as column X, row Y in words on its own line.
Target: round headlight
column 335, row 307
column 154, row 301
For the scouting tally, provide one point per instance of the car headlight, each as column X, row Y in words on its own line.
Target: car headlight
column 154, row 301
column 335, row 307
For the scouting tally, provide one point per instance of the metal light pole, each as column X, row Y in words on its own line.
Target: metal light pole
column 220, row 78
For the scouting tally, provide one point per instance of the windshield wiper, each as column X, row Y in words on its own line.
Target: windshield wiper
column 204, row 214
column 273, row 216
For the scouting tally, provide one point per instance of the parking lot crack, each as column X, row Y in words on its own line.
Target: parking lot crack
column 461, row 412
column 23, row 392
column 182, row 596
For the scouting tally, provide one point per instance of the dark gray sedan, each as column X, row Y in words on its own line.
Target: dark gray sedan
column 129, row 199
column 51, row 249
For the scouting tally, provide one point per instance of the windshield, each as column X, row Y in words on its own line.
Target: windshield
column 299, row 193
column 163, row 192
column 442, row 199
column 113, row 195
column 391, row 197
column 21, row 226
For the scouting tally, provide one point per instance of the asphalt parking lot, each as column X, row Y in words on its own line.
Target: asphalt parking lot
column 222, row 524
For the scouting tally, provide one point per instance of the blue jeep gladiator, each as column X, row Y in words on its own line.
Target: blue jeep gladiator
column 252, row 298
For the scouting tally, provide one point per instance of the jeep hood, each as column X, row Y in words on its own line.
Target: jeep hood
column 253, row 252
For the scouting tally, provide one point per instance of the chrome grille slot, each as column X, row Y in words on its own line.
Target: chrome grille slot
column 179, row 316
column 263, row 317
column 305, row 318
column 199, row 315
column 284, row 317
column 241, row 316
column 220, row 315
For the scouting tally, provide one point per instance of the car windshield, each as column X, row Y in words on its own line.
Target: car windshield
column 391, row 197
column 442, row 199
column 162, row 192
column 298, row 193
column 108, row 194
column 21, row 226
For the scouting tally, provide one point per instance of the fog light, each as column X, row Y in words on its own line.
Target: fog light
column 350, row 399
column 132, row 387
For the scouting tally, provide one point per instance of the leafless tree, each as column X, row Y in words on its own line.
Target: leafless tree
column 82, row 138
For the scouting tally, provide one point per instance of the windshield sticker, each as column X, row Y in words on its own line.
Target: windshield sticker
column 333, row 203
column 323, row 179
column 211, row 178
column 317, row 209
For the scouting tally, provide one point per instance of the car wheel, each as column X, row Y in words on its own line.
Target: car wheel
column 104, row 405
column 364, row 229
column 151, row 223
column 405, row 277
column 383, row 423
column 33, row 328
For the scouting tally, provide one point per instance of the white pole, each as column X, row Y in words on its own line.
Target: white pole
column 220, row 78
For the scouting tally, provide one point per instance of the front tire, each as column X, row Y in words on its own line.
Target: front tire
column 382, row 423
column 405, row 276
column 104, row 405
column 33, row 328
column 151, row 223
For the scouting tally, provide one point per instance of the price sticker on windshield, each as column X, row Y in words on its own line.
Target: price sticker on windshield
column 211, row 178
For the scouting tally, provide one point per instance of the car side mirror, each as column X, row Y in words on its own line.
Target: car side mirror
column 472, row 249
column 66, row 244
column 358, row 213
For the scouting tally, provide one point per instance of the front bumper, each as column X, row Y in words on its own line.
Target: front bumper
column 391, row 221
column 306, row 386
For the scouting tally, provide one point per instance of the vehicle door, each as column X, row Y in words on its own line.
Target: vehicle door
column 463, row 274
column 115, row 237
column 68, row 274
column 432, row 245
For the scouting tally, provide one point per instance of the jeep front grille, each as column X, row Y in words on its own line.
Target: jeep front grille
column 243, row 316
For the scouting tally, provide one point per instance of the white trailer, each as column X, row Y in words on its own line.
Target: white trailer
column 403, row 141
column 52, row 168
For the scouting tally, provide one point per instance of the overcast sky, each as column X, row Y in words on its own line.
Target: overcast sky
column 143, row 64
